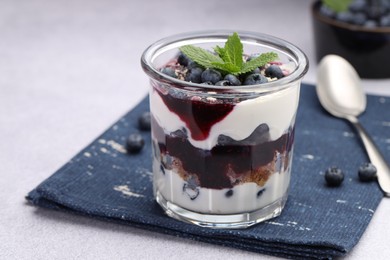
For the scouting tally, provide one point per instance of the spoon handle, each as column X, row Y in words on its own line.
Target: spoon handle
column 376, row 158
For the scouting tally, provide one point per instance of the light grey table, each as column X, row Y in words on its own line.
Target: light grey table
column 68, row 69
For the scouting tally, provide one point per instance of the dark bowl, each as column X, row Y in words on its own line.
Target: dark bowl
column 367, row 49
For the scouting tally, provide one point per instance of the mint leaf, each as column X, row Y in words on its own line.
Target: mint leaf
column 234, row 49
column 222, row 53
column 226, row 67
column 259, row 61
column 337, row 5
column 201, row 56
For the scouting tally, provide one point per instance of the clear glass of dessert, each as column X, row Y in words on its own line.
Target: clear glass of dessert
column 222, row 152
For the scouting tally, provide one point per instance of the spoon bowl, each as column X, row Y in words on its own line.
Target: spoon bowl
column 341, row 94
column 339, row 88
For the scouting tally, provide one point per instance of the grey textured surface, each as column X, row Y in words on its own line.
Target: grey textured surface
column 68, row 69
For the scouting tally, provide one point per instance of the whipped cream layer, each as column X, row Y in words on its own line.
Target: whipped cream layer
column 277, row 110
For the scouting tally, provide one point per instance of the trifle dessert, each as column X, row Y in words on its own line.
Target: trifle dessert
column 223, row 108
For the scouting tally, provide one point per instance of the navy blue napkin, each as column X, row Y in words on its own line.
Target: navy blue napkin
column 105, row 182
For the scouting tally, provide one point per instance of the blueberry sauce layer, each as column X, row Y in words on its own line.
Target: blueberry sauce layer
column 228, row 163
column 198, row 115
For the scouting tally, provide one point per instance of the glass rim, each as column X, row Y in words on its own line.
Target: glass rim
column 300, row 59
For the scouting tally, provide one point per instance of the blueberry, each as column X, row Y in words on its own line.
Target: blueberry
column 274, row 71
column 176, row 93
column 358, row 6
column 254, row 79
column 345, row 17
column 211, row 75
column 385, row 21
column 226, row 140
column 257, row 70
column 192, row 64
column 183, row 59
column 367, row 172
column 258, row 136
column 192, row 183
column 370, row 24
column 326, row 11
column 166, row 161
column 260, row 192
column 253, row 56
column 234, row 81
column 134, row 143
column 207, row 83
column 181, row 133
column 334, row 176
column 144, row 121
column 375, row 11
column 191, row 190
column 229, row 193
column 359, row 18
column 223, row 83
column 385, row 5
column 169, row 71
column 194, row 75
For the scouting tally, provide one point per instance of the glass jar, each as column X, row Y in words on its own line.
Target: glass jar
column 222, row 154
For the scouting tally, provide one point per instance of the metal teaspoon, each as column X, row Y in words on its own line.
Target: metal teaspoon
column 340, row 93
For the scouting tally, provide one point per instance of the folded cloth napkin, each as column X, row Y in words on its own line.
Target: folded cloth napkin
column 103, row 181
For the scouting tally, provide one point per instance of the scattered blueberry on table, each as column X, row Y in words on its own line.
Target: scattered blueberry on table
column 144, row 121
column 134, row 143
column 367, row 172
column 334, row 176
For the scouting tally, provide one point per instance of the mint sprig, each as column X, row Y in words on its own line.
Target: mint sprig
column 229, row 59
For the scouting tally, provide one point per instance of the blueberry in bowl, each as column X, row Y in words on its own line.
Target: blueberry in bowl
column 357, row 30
